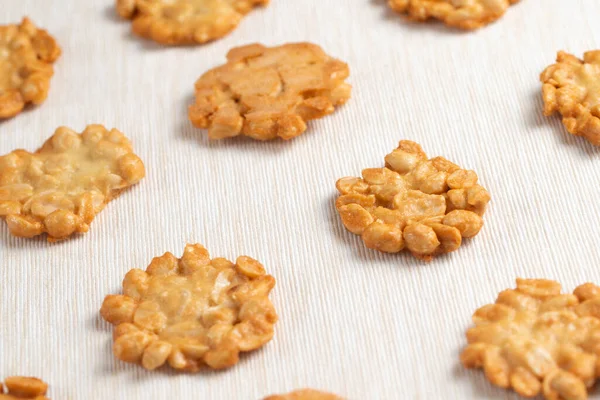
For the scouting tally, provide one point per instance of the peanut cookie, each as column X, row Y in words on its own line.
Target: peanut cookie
column 24, row 388
column 185, row 21
column 424, row 205
column 26, row 57
column 267, row 93
column 463, row 14
column 304, row 394
column 536, row 340
column 60, row 188
column 572, row 87
column 191, row 311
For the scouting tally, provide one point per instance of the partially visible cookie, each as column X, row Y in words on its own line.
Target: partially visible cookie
column 537, row 340
column 26, row 57
column 23, row 388
column 185, row 21
column 304, row 394
column 426, row 205
column 191, row 311
column 266, row 93
column 60, row 188
column 572, row 87
column 463, row 14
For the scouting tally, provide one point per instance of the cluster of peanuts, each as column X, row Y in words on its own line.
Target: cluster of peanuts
column 59, row 189
column 27, row 55
column 463, row 14
column 537, row 340
column 185, row 21
column 267, row 93
column 424, row 205
column 572, row 87
column 191, row 311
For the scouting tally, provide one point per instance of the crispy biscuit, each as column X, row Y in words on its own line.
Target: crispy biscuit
column 176, row 22
column 536, row 340
column 424, row 205
column 572, row 87
column 26, row 57
column 23, row 388
column 463, row 14
column 60, row 188
column 304, row 394
column 191, row 311
column 267, row 93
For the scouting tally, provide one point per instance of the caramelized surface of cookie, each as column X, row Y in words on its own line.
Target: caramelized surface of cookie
column 59, row 189
column 536, row 340
column 463, row 14
column 424, row 205
column 572, row 88
column 266, row 93
column 185, row 21
column 191, row 311
column 26, row 57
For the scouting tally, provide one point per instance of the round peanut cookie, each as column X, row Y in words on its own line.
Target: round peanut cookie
column 191, row 311
column 536, row 340
column 304, row 394
column 424, row 205
column 266, row 93
column 26, row 57
column 463, row 14
column 572, row 87
column 23, row 388
column 176, row 22
column 60, row 188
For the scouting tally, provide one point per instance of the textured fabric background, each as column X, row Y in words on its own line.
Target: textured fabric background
column 352, row 321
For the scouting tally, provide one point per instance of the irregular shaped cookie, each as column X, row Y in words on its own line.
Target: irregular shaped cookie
column 304, row 394
column 267, row 93
column 536, row 340
column 572, row 87
column 26, row 57
column 185, row 21
column 19, row 387
column 424, row 205
column 191, row 311
column 463, row 14
column 60, row 188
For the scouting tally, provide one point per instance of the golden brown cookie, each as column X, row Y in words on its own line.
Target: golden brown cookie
column 424, row 205
column 267, row 93
column 191, row 311
column 304, row 394
column 536, row 340
column 463, row 14
column 185, row 21
column 26, row 57
column 572, row 87
column 60, row 188
column 23, row 388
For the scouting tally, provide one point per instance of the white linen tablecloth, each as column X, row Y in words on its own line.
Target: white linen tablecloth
column 352, row 321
